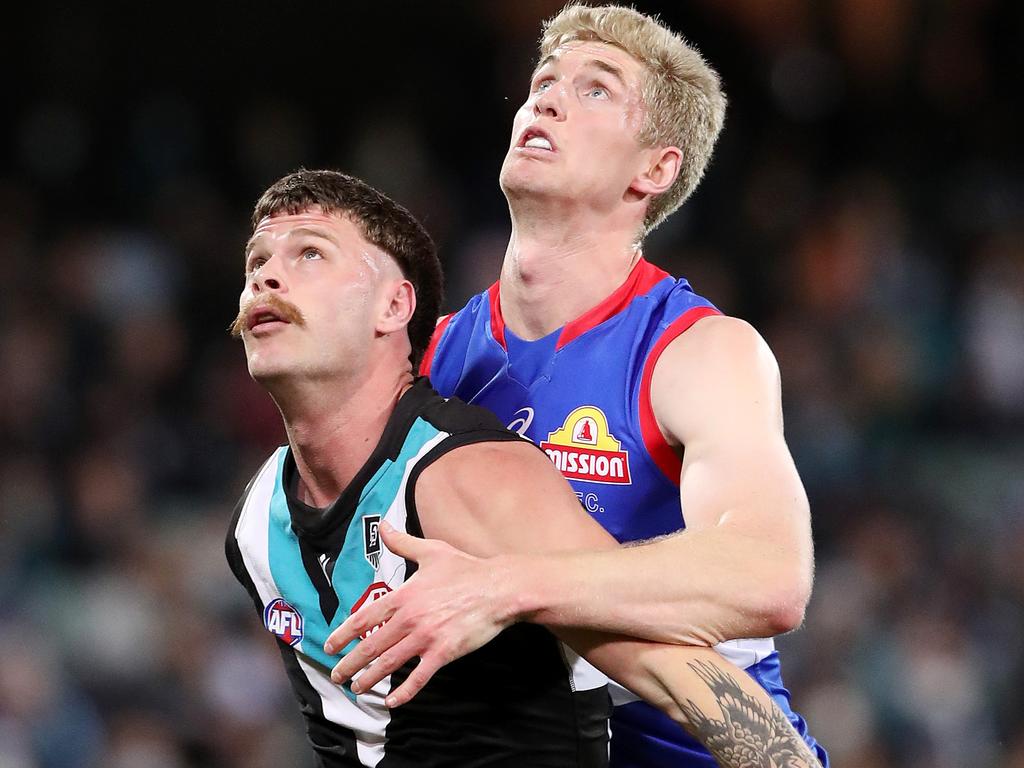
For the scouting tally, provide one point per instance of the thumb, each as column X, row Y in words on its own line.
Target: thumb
column 401, row 543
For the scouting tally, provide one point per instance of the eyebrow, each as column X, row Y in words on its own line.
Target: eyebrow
column 600, row 64
column 323, row 234
column 611, row 69
column 543, row 63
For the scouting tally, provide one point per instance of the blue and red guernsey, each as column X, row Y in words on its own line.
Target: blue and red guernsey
column 583, row 394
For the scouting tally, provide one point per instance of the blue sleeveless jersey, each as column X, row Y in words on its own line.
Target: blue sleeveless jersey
column 583, row 394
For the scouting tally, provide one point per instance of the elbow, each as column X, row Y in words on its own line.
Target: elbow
column 786, row 616
column 787, row 603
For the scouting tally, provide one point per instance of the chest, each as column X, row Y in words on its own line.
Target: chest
column 307, row 591
column 581, row 405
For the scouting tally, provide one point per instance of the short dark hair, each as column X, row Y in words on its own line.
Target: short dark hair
column 381, row 221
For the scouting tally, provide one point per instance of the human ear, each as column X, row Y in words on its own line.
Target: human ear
column 660, row 172
column 400, row 303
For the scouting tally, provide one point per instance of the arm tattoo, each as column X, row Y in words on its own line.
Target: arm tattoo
column 751, row 735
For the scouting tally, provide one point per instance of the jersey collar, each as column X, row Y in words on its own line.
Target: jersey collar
column 642, row 278
column 326, row 527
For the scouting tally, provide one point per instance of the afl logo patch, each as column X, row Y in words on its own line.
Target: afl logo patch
column 284, row 621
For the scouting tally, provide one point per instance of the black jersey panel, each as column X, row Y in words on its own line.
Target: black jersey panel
column 234, row 554
column 509, row 704
column 333, row 745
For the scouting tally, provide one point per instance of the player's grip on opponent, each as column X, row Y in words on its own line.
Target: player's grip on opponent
column 455, row 623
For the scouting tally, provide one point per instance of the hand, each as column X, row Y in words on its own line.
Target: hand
column 453, row 604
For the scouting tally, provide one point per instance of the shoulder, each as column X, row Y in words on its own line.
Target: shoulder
column 672, row 309
column 457, row 417
column 483, row 465
column 466, row 315
column 492, row 498
column 258, row 485
column 461, row 467
column 481, row 496
column 718, row 345
column 719, row 372
column 265, row 476
column 456, row 327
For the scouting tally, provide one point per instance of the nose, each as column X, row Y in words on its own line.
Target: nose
column 267, row 277
column 549, row 103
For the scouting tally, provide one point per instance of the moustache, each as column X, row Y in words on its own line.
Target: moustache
column 283, row 309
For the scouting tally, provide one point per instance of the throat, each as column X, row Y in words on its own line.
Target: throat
column 538, row 299
column 333, row 436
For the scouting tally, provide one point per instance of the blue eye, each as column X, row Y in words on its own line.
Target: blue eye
column 542, row 86
column 598, row 92
column 310, row 254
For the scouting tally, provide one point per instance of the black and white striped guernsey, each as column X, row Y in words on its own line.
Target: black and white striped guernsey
column 522, row 701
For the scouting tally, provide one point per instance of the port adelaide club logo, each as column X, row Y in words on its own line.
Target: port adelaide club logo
column 284, row 621
column 371, row 540
column 585, row 449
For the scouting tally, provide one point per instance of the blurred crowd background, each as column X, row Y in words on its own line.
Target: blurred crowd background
column 864, row 211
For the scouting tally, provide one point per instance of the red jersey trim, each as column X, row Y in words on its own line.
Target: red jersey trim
column 661, row 452
column 497, row 321
column 642, row 278
column 428, row 356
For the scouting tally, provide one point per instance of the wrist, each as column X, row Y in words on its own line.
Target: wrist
column 518, row 587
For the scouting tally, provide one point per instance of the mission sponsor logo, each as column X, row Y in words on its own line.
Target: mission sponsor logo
column 373, row 592
column 585, row 449
column 284, row 621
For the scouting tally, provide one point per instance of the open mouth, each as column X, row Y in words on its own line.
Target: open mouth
column 263, row 317
column 535, row 138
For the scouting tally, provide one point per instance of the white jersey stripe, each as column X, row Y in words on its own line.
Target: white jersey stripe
column 251, row 531
column 367, row 717
column 364, row 717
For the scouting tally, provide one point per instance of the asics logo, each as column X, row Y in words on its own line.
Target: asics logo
column 520, row 424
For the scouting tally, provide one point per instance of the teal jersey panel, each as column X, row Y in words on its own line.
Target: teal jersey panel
column 353, row 573
column 290, row 574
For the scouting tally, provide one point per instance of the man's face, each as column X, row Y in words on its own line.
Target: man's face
column 575, row 137
column 313, row 289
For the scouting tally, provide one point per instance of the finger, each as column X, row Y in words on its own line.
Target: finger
column 365, row 652
column 403, row 544
column 367, row 617
column 413, row 684
column 386, row 663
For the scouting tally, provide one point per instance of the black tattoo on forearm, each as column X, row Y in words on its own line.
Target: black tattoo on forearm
column 751, row 735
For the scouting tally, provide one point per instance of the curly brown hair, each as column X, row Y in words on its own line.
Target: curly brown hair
column 381, row 221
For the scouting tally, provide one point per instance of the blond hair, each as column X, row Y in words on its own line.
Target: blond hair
column 683, row 100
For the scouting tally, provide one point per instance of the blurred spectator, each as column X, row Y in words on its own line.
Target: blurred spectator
column 863, row 211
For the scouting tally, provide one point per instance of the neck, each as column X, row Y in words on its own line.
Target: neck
column 556, row 268
column 333, row 428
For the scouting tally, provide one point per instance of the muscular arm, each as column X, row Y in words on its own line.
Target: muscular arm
column 499, row 498
column 719, row 704
column 742, row 567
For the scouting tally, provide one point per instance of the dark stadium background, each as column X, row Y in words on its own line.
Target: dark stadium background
column 864, row 211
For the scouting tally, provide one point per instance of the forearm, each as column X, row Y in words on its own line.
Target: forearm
column 694, row 588
column 719, row 704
